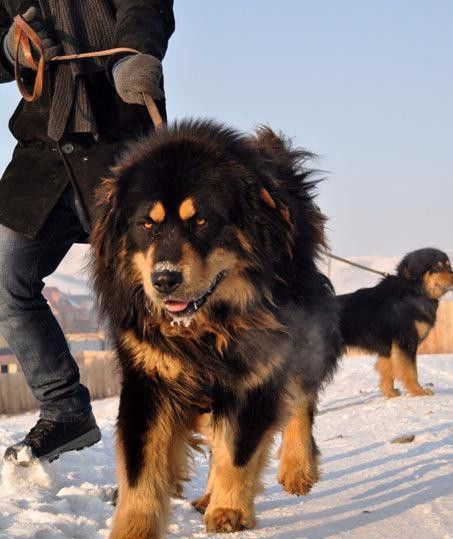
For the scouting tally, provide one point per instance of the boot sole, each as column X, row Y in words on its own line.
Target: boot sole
column 82, row 442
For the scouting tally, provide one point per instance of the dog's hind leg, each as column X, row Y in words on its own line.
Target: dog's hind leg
column 201, row 503
column 234, row 484
column 405, row 369
column 203, row 425
column 385, row 368
column 151, row 450
column 299, row 455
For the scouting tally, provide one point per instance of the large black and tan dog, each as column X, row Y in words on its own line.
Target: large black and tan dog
column 392, row 318
column 205, row 247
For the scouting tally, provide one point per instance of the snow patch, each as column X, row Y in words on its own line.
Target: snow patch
column 369, row 487
column 29, row 473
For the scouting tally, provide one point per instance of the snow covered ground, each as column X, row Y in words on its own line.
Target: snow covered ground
column 370, row 488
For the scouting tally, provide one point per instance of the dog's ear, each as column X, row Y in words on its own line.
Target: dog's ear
column 404, row 272
column 104, row 222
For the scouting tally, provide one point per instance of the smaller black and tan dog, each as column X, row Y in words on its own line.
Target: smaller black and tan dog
column 392, row 318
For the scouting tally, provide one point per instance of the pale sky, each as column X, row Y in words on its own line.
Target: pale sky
column 366, row 85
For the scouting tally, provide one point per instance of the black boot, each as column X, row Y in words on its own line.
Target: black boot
column 47, row 440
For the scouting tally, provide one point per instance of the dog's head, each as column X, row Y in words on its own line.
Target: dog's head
column 429, row 268
column 193, row 217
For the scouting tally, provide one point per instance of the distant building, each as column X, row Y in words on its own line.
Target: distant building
column 75, row 313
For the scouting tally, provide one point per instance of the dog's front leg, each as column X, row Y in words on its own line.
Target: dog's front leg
column 298, row 470
column 240, row 447
column 150, row 448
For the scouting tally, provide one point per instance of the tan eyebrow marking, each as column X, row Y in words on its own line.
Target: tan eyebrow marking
column 157, row 212
column 187, row 209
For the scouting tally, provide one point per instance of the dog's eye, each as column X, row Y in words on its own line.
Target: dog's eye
column 147, row 225
column 200, row 221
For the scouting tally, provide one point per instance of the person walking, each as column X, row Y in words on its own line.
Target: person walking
column 66, row 141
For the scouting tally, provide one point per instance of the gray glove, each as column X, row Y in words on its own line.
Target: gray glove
column 50, row 49
column 136, row 75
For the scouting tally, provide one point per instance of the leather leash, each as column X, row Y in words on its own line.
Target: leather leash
column 355, row 264
column 25, row 38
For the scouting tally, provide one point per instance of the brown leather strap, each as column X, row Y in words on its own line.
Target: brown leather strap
column 25, row 38
column 153, row 111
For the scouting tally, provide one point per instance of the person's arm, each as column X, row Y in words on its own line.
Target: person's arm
column 6, row 69
column 145, row 25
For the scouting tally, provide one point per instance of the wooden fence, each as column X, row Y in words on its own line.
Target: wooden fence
column 98, row 372
column 440, row 339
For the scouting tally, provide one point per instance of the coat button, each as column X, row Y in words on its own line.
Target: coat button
column 68, row 148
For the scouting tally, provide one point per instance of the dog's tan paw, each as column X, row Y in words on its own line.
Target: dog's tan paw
column 297, row 482
column 201, row 503
column 224, row 520
column 421, row 392
column 391, row 393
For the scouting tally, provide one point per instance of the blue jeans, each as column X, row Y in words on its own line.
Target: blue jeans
column 26, row 321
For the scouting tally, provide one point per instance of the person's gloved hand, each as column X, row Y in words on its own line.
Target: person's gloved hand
column 136, row 75
column 50, row 49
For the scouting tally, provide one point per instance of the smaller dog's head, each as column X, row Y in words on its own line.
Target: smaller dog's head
column 429, row 268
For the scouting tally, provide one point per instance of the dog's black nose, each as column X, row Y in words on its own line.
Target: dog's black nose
column 166, row 281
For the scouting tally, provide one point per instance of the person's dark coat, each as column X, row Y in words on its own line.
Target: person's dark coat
column 39, row 171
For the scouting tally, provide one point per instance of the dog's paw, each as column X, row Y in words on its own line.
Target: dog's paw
column 296, row 481
column 391, row 393
column 224, row 520
column 421, row 392
column 201, row 503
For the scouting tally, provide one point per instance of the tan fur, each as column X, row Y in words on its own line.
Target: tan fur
column 286, row 214
column 150, row 359
column 267, row 198
column 298, row 469
column 405, row 370
column 204, row 426
column 187, row 209
column 385, row 369
column 143, row 509
column 142, row 264
column 423, row 329
column 244, row 241
column 231, row 505
column 437, row 284
column 157, row 212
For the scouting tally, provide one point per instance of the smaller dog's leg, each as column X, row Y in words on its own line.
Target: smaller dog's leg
column 298, row 470
column 405, row 370
column 234, row 487
column 385, row 369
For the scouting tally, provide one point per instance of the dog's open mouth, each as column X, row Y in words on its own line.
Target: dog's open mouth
column 183, row 309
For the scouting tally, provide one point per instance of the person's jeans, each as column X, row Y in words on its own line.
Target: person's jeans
column 26, row 321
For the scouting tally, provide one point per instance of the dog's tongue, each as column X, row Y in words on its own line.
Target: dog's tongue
column 176, row 306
